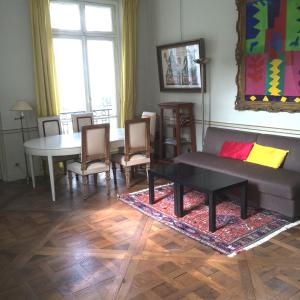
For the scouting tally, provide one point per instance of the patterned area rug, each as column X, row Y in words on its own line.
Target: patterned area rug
column 232, row 235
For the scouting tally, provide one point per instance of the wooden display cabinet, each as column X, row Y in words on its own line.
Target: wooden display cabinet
column 176, row 116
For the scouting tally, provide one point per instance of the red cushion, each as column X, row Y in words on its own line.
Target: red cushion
column 236, row 150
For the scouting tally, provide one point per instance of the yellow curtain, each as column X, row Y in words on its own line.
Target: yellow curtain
column 128, row 67
column 43, row 57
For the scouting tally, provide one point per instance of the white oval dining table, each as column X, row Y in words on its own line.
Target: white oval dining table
column 63, row 145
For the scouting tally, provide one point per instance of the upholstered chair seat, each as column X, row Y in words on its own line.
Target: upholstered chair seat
column 92, row 168
column 136, row 159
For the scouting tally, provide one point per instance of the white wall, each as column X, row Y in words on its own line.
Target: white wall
column 16, row 83
column 215, row 21
column 159, row 24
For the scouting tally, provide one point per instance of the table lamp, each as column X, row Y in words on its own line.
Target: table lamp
column 21, row 106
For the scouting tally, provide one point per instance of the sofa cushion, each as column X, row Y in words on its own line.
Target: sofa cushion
column 215, row 138
column 292, row 161
column 236, row 150
column 267, row 156
column 280, row 182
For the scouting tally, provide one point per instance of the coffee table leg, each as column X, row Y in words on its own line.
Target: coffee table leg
column 151, row 188
column 178, row 200
column 244, row 201
column 212, row 212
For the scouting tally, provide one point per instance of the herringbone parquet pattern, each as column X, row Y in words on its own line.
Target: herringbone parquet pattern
column 103, row 249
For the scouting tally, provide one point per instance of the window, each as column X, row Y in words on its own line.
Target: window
column 85, row 42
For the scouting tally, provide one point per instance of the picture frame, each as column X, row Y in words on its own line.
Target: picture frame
column 178, row 72
column 268, row 56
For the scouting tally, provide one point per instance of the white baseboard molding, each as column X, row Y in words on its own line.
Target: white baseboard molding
column 18, row 130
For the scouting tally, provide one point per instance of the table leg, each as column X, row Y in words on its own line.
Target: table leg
column 244, row 201
column 178, row 199
column 151, row 188
column 31, row 169
column 212, row 211
column 51, row 173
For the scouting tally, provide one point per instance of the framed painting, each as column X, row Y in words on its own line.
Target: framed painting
column 268, row 55
column 177, row 68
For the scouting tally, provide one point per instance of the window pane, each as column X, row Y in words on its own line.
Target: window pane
column 65, row 16
column 98, row 18
column 69, row 66
column 102, row 74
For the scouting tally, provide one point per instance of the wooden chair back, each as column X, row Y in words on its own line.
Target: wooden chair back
column 95, row 144
column 137, row 137
column 80, row 120
column 152, row 116
column 49, row 126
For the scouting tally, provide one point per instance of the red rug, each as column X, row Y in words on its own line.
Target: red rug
column 232, row 235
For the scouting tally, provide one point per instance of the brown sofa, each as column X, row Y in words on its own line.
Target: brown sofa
column 273, row 189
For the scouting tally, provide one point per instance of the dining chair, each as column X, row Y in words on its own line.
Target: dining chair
column 95, row 156
column 152, row 116
column 79, row 120
column 49, row 126
column 136, row 149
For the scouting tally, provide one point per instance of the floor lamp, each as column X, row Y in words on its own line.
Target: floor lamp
column 22, row 106
column 202, row 62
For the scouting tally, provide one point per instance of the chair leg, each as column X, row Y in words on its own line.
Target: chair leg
column 85, row 186
column 95, row 178
column 44, row 167
column 65, row 167
column 107, row 178
column 70, row 181
column 147, row 169
column 113, row 164
column 132, row 171
column 127, row 176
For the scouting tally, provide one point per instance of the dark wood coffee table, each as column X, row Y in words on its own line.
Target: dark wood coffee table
column 202, row 180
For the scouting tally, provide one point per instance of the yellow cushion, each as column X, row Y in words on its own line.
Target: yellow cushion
column 267, row 156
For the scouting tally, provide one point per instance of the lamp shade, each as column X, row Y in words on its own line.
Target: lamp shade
column 21, row 105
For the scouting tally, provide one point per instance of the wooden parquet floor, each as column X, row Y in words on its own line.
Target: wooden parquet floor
column 104, row 249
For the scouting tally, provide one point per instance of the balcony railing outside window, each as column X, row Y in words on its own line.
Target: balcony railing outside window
column 100, row 116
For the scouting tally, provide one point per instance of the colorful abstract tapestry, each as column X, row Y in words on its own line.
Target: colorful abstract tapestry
column 270, row 39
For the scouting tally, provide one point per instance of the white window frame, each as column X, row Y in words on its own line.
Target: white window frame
column 85, row 35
